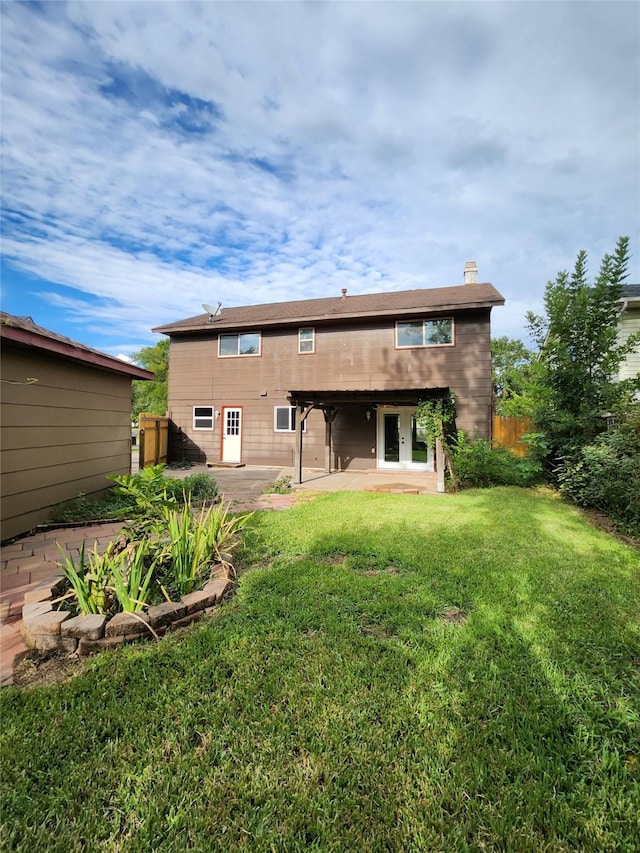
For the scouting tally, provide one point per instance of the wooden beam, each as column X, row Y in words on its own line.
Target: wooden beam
column 330, row 399
column 297, row 459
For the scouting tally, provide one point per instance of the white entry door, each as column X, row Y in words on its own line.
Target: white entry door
column 402, row 442
column 231, row 435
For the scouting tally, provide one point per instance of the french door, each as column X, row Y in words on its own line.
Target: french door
column 402, row 442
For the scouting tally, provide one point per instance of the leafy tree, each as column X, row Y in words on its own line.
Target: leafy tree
column 151, row 396
column 580, row 355
column 513, row 375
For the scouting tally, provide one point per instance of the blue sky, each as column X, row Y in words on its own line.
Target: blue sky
column 156, row 156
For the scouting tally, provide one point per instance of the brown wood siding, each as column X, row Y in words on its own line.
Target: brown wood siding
column 60, row 436
column 353, row 437
column 348, row 356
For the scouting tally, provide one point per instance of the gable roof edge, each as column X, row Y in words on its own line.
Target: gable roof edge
column 25, row 333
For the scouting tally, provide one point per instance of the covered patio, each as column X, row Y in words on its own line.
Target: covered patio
column 331, row 402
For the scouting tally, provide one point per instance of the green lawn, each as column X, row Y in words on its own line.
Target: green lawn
column 332, row 707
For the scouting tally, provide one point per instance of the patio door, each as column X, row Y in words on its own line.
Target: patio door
column 402, row 442
column 231, row 434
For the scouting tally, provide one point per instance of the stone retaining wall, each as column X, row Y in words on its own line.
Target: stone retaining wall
column 46, row 629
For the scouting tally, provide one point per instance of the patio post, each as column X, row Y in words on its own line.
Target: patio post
column 440, row 466
column 297, row 460
column 329, row 416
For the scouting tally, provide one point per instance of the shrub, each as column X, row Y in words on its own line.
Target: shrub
column 197, row 487
column 111, row 506
column 281, row 486
column 118, row 579
column 89, row 580
column 131, row 577
column 141, row 494
column 148, row 489
column 605, row 475
column 195, row 541
column 478, row 464
column 188, row 550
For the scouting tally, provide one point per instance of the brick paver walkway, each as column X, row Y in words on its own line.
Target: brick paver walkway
column 28, row 562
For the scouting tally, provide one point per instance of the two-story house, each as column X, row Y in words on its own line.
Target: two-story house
column 331, row 383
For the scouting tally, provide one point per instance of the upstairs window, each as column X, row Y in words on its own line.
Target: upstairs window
column 425, row 333
column 203, row 417
column 307, row 339
column 284, row 419
column 243, row 343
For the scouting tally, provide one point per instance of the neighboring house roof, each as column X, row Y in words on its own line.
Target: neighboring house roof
column 23, row 332
column 631, row 291
column 402, row 302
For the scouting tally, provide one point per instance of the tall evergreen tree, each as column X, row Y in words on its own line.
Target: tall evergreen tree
column 580, row 354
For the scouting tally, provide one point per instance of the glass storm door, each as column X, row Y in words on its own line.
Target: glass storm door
column 231, row 435
column 402, row 443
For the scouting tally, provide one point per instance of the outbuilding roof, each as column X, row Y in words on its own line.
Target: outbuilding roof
column 23, row 332
column 396, row 304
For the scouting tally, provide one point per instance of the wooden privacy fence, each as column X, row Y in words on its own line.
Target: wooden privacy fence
column 154, row 439
column 508, row 431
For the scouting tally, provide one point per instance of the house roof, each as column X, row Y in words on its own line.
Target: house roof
column 23, row 332
column 398, row 303
column 631, row 291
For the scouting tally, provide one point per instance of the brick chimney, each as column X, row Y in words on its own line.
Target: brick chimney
column 471, row 272
column 344, row 293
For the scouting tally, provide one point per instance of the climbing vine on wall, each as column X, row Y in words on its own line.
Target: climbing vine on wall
column 437, row 417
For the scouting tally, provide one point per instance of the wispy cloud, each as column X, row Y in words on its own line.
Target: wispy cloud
column 158, row 155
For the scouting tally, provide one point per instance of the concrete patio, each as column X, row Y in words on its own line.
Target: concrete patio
column 249, row 481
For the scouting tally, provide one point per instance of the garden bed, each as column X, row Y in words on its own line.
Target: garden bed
column 45, row 629
column 168, row 565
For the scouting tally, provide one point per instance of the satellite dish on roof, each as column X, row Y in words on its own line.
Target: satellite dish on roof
column 211, row 311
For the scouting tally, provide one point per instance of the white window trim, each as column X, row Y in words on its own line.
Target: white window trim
column 313, row 340
column 423, row 345
column 239, row 354
column 290, row 430
column 204, row 417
